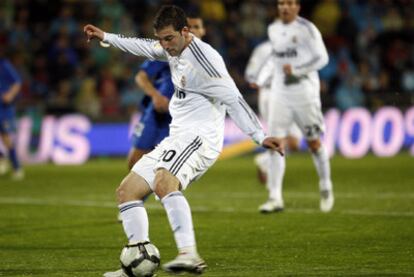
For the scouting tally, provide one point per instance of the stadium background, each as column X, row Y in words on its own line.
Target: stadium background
column 370, row 45
column 61, row 220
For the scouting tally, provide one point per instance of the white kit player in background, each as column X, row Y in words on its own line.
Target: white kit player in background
column 254, row 74
column 204, row 91
column 298, row 54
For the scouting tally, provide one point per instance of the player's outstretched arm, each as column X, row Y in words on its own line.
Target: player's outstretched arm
column 144, row 47
column 274, row 144
column 159, row 101
column 92, row 32
column 11, row 94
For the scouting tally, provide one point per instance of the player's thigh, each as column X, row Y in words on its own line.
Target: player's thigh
column 133, row 187
column 280, row 119
column 310, row 120
column 165, row 183
column 295, row 132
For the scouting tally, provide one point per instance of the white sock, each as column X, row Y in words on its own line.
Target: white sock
column 262, row 161
column 276, row 171
column 321, row 161
column 179, row 216
column 135, row 221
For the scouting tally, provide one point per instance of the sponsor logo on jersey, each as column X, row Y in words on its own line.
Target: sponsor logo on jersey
column 289, row 53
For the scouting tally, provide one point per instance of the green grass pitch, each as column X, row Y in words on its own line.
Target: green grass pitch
column 61, row 221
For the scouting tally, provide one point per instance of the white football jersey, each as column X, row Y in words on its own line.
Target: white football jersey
column 299, row 44
column 204, row 90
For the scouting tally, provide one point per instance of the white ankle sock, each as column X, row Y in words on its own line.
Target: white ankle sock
column 275, row 175
column 179, row 216
column 135, row 221
column 322, row 164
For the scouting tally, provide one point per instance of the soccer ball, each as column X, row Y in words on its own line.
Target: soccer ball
column 140, row 260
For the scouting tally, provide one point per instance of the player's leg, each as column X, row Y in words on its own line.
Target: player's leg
column 280, row 119
column 310, row 120
column 262, row 159
column 3, row 163
column 167, row 187
column 130, row 195
column 262, row 163
column 294, row 137
column 7, row 130
column 185, row 158
column 320, row 158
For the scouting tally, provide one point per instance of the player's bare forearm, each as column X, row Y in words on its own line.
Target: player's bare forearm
column 145, row 84
column 11, row 94
column 92, row 32
column 160, row 102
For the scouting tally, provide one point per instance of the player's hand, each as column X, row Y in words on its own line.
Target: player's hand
column 253, row 86
column 7, row 98
column 274, row 144
column 93, row 32
column 287, row 69
column 160, row 103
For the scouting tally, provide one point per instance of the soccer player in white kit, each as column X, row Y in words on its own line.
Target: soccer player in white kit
column 298, row 53
column 253, row 75
column 204, row 91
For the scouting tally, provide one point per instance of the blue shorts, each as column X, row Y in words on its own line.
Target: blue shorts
column 148, row 134
column 7, row 125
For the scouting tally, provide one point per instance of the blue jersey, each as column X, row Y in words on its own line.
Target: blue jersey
column 8, row 77
column 153, row 126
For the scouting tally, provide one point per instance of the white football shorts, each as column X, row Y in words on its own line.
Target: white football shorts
column 308, row 117
column 187, row 156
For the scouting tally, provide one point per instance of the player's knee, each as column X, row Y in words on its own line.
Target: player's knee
column 125, row 192
column 293, row 144
column 165, row 183
column 314, row 145
column 7, row 141
column 121, row 193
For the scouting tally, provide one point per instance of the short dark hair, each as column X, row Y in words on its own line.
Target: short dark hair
column 170, row 15
column 193, row 14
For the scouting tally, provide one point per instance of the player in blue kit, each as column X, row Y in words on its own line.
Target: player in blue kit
column 154, row 78
column 10, row 84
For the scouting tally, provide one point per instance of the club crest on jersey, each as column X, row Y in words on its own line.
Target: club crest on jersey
column 183, row 81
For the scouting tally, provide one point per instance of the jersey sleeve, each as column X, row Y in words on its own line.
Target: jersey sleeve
column 240, row 112
column 319, row 54
column 253, row 67
column 148, row 48
column 256, row 61
column 224, row 90
column 265, row 74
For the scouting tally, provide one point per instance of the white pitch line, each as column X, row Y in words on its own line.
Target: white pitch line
column 195, row 208
column 310, row 195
